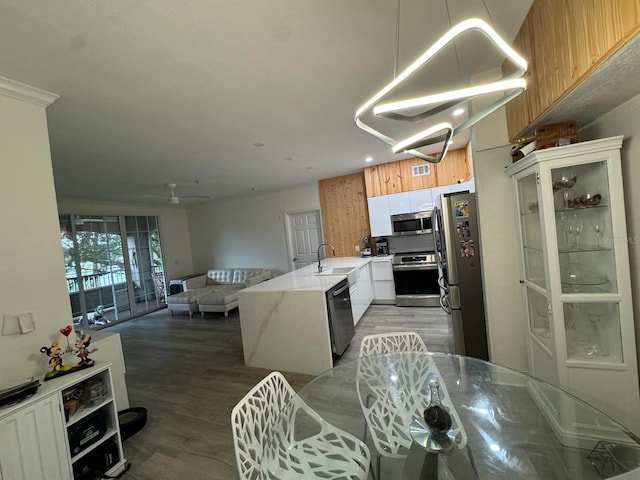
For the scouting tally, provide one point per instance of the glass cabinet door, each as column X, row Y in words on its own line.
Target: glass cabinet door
column 593, row 332
column 531, row 230
column 587, row 261
column 534, row 266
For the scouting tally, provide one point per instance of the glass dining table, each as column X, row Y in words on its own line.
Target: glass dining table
column 502, row 423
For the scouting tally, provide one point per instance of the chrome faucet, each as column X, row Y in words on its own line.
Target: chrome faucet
column 318, row 252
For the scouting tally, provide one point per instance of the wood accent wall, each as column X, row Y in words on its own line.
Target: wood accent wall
column 397, row 177
column 564, row 41
column 345, row 213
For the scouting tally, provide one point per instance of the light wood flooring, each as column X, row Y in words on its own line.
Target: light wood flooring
column 189, row 374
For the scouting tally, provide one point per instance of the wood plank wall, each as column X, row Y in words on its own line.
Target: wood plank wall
column 397, row 177
column 345, row 213
column 564, row 41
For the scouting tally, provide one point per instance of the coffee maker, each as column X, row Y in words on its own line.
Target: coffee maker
column 382, row 247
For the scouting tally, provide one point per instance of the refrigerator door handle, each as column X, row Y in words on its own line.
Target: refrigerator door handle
column 454, row 297
column 444, row 303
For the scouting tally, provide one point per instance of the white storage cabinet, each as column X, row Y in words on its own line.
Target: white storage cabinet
column 576, row 279
column 34, row 434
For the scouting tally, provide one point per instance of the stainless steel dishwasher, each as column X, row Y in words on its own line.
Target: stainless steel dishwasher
column 340, row 317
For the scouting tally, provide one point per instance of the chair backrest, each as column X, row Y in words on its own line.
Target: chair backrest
column 382, row 343
column 251, row 419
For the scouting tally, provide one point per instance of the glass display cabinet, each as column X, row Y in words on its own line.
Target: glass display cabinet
column 575, row 274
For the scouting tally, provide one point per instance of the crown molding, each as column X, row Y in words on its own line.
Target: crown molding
column 26, row 93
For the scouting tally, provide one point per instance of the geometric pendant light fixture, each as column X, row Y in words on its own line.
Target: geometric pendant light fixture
column 429, row 105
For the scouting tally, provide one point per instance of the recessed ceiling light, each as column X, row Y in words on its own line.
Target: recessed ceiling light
column 258, row 144
column 458, row 111
column 253, row 189
column 368, row 159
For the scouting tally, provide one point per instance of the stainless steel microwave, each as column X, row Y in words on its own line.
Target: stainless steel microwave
column 417, row 223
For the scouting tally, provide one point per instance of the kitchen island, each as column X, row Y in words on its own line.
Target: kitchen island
column 284, row 321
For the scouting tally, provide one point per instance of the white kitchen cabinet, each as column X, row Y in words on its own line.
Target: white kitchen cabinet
column 35, row 435
column 421, row 200
column 365, row 285
column 379, row 216
column 576, row 279
column 437, row 192
column 361, row 291
column 384, row 291
column 399, row 203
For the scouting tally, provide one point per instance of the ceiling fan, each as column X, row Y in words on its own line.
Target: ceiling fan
column 174, row 199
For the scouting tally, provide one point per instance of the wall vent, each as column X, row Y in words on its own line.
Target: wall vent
column 420, row 170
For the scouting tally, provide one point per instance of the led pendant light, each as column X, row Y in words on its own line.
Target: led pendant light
column 433, row 104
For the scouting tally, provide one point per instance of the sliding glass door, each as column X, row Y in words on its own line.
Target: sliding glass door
column 145, row 257
column 114, row 267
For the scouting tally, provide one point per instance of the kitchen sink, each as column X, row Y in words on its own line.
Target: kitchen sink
column 350, row 272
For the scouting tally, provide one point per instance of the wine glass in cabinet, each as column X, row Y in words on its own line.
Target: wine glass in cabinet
column 575, row 273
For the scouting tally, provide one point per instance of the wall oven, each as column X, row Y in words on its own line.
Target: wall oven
column 418, row 223
column 415, row 276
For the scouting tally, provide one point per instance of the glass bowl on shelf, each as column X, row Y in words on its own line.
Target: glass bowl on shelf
column 564, row 182
column 577, row 274
column 590, row 199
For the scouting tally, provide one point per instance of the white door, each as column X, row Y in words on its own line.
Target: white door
column 304, row 234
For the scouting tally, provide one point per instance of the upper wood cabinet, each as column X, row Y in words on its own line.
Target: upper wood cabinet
column 397, row 177
column 564, row 42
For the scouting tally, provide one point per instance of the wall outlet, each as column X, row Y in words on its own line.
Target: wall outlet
column 357, row 248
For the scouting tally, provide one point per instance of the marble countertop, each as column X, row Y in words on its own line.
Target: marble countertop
column 308, row 279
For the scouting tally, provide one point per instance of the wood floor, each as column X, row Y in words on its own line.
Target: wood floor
column 189, row 374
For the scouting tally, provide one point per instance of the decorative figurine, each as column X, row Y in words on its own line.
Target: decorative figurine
column 82, row 352
column 54, row 352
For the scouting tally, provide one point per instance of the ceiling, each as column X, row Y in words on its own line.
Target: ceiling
column 225, row 98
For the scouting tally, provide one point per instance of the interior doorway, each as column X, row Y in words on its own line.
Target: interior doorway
column 304, row 235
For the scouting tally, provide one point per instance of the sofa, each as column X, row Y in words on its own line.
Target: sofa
column 217, row 291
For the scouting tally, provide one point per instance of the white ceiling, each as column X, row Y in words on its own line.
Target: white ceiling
column 156, row 92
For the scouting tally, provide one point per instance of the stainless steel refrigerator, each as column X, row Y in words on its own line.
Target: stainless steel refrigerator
column 457, row 242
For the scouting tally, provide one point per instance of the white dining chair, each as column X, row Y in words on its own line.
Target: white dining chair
column 387, row 428
column 382, row 343
column 327, row 452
